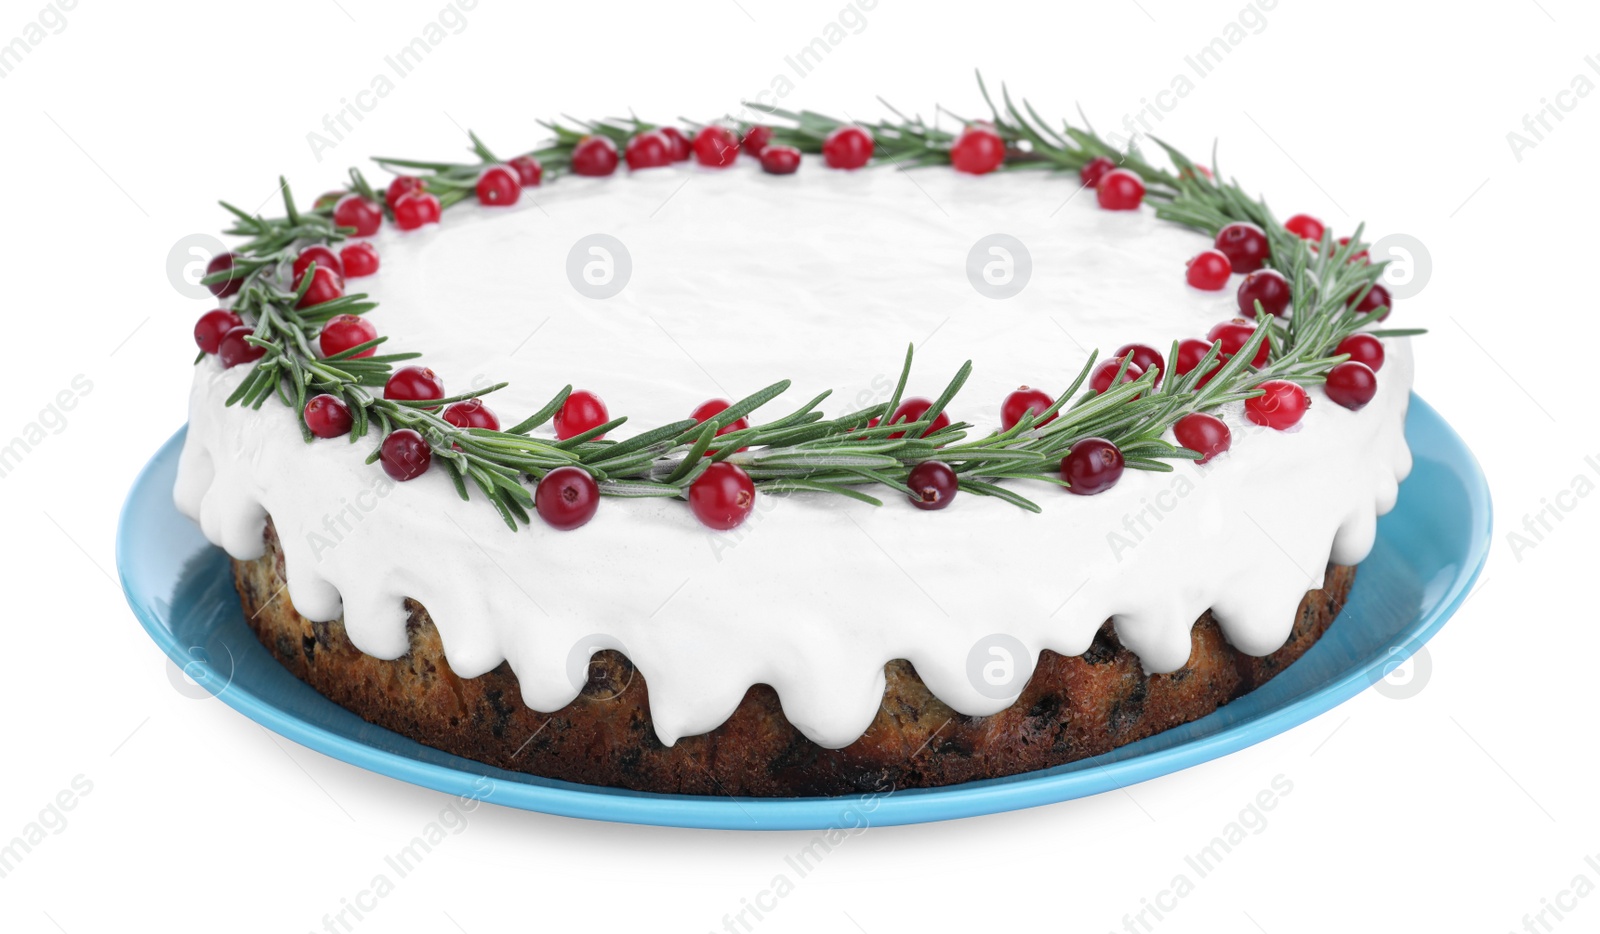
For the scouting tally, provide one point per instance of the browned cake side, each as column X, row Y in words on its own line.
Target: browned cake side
column 1073, row 707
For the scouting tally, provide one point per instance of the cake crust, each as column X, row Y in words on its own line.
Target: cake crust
column 1073, row 707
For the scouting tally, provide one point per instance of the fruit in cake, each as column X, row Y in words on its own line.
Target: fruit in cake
column 1351, row 384
column 780, row 160
column 1245, row 245
column 355, row 211
column 566, row 498
column 529, row 171
column 1120, row 190
column 1022, row 401
column 1209, row 270
column 414, row 209
column 648, row 150
column 716, row 146
column 1363, row 348
column 1144, row 357
column 1105, row 373
column 1094, row 465
column 327, row 416
column 1267, row 286
column 722, row 497
column 234, row 348
column 594, row 156
column 359, row 259
column 405, row 454
column 223, row 262
column 1281, row 404
column 414, row 384
column 756, row 140
column 1205, row 433
column 978, row 150
column 583, row 411
column 848, row 147
column 1094, row 170
column 212, row 325
column 498, row 186
column 1305, row 227
column 324, row 257
column 915, row 410
column 471, row 413
column 933, row 485
column 321, row 284
column 345, row 331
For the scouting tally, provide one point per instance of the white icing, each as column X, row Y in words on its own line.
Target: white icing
column 823, row 277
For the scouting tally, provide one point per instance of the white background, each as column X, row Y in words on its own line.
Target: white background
column 1461, row 808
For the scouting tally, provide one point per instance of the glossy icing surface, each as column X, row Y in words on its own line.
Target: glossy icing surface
column 739, row 279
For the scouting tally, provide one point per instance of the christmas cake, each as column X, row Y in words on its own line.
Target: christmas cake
column 789, row 456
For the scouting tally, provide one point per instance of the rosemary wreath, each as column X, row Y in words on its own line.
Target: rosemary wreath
column 803, row 450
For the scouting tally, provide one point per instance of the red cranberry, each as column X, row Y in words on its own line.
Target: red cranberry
column 1281, row 405
column 1022, row 401
column 499, row 186
column 359, row 259
column 529, row 171
column 345, row 331
column 1245, row 245
column 415, row 209
column 1376, row 297
column 356, row 211
column 713, row 408
column 847, row 147
column 1190, row 352
column 471, row 413
column 1144, row 357
column 1267, row 286
column 1362, row 348
column 715, row 146
column 1094, row 170
column 1094, row 465
column 212, row 325
column 566, row 498
column 1209, row 270
column 1120, row 190
column 327, row 416
column 722, row 497
column 326, row 285
column 1106, row 371
column 414, row 384
column 1305, row 227
column 678, row 144
column 978, row 150
column 648, row 151
column 405, row 454
column 233, row 349
column 1207, row 434
column 582, row 412
column 228, row 286
column 324, row 257
column 913, row 410
column 401, row 186
column 594, row 156
column 780, row 160
column 1351, row 384
column 1234, row 335
column 756, row 140
column 933, row 485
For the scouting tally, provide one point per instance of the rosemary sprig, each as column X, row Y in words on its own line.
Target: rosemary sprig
column 803, row 451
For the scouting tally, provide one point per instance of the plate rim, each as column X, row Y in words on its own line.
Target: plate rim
column 893, row 807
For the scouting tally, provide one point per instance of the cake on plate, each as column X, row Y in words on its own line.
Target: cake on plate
column 788, row 456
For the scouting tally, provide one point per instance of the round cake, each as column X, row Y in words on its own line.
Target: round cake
column 871, row 582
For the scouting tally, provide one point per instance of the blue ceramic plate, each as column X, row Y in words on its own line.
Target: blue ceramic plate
column 1429, row 551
